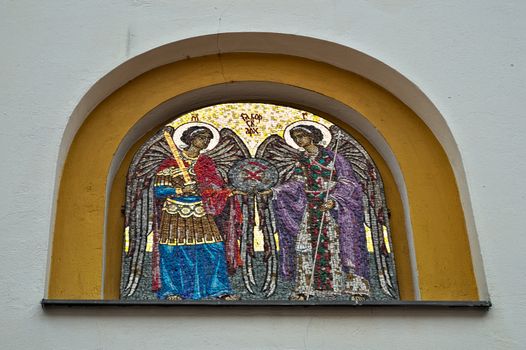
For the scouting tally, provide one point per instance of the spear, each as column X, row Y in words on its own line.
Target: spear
column 323, row 214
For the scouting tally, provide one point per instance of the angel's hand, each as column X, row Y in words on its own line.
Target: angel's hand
column 189, row 189
column 265, row 193
column 328, row 205
column 234, row 192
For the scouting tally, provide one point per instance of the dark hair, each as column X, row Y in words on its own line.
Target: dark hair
column 190, row 133
column 314, row 132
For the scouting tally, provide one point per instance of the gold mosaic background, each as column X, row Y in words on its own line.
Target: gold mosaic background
column 253, row 122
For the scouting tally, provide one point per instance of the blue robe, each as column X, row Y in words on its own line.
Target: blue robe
column 193, row 272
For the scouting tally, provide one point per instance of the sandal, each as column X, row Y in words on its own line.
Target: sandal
column 297, row 297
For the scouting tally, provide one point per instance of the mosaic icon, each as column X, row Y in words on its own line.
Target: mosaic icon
column 292, row 210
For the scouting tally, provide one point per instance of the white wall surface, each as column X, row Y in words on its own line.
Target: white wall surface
column 468, row 57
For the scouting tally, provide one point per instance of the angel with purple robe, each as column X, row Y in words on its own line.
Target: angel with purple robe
column 319, row 216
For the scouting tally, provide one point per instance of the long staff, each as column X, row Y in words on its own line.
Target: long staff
column 323, row 215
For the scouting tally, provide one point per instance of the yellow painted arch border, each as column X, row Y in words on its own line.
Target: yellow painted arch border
column 443, row 258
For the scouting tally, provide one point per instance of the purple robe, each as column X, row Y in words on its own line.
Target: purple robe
column 290, row 203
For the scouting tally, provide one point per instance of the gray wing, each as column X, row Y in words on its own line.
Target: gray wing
column 375, row 207
column 140, row 205
column 284, row 157
column 230, row 150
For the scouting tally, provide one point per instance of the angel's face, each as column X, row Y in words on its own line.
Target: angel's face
column 301, row 138
column 201, row 141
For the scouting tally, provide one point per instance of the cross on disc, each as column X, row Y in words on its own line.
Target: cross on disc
column 253, row 175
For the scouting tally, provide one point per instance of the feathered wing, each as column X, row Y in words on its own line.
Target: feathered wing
column 141, row 204
column 229, row 150
column 375, row 208
column 284, row 157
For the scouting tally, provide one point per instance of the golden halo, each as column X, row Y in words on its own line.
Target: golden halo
column 327, row 136
column 182, row 128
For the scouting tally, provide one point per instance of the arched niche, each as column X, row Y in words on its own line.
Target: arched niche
column 442, row 260
column 268, row 92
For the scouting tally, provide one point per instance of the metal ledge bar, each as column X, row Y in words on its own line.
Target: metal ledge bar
column 478, row 304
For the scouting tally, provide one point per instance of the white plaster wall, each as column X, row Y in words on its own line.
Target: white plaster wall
column 466, row 56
